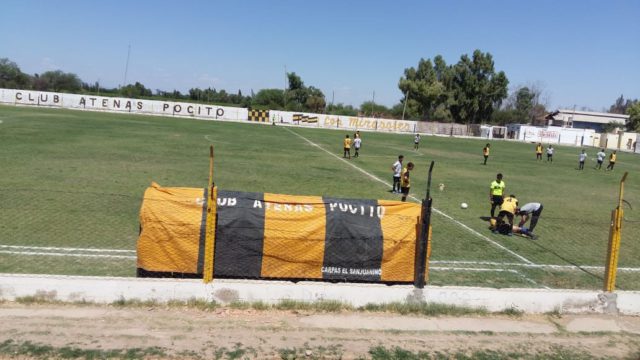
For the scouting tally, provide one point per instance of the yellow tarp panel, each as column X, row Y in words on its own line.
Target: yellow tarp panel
column 171, row 220
column 399, row 231
column 294, row 236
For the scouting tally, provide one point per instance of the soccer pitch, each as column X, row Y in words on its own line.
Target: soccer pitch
column 72, row 182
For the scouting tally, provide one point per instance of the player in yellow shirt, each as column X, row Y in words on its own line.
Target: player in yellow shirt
column 508, row 208
column 612, row 160
column 539, row 152
column 485, row 152
column 405, row 181
column 347, row 147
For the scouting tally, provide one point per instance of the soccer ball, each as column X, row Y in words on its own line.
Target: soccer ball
column 464, row 205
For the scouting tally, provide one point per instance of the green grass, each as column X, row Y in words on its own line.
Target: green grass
column 75, row 179
column 554, row 352
column 31, row 350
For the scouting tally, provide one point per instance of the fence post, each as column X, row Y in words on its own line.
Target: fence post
column 210, row 235
column 424, row 238
column 611, row 267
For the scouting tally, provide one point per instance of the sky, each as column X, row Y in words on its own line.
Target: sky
column 581, row 54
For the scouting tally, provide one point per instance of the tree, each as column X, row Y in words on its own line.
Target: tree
column 60, row 81
column 269, row 98
column 370, row 108
column 298, row 97
column 136, row 90
column 341, row 109
column 620, row 106
column 424, row 88
column 633, row 110
column 524, row 104
column 11, row 77
column 315, row 100
column 476, row 88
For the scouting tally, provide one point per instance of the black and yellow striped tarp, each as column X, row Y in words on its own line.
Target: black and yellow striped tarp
column 259, row 115
column 274, row 236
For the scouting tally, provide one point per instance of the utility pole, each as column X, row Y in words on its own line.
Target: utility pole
column 126, row 67
column 373, row 101
column 406, row 100
column 284, row 93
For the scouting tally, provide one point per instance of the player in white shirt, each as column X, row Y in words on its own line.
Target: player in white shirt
column 601, row 155
column 356, row 145
column 397, row 171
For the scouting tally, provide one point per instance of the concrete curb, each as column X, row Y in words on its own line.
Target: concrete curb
column 110, row 289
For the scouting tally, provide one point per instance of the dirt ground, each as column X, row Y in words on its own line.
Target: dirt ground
column 227, row 333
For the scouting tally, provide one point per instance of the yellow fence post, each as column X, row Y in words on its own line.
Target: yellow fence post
column 613, row 250
column 210, row 232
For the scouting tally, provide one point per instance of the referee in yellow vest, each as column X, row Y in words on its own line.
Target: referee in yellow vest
column 496, row 191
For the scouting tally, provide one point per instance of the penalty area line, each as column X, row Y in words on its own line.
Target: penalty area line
column 371, row 176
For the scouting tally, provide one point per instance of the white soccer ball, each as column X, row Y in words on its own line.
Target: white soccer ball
column 464, row 205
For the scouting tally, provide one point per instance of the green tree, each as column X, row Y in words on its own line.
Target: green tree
column 425, row 88
column 269, row 99
column 524, row 104
column 620, row 106
column 315, row 100
column 299, row 97
column 633, row 110
column 341, row 109
column 476, row 88
column 505, row 116
column 370, row 108
column 136, row 90
column 11, row 77
column 60, row 81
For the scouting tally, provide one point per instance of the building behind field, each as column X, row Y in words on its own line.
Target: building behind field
column 584, row 119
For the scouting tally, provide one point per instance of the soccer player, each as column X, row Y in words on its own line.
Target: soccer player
column 582, row 157
column 405, row 181
column 356, row 145
column 397, row 171
column 347, row 147
column 550, row 153
column 506, row 229
column 495, row 193
column 530, row 210
column 601, row 155
column 508, row 208
column 416, row 142
column 485, row 152
column 612, row 161
column 539, row 152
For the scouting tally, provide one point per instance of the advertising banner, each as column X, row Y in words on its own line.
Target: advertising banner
column 276, row 236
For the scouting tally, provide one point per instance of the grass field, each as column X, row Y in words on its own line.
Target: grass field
column 71, row 184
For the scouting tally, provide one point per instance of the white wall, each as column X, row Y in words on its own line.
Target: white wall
column 199, row 111
column 112, row 104
column 345, row 122
column 556, row 135
column 106, row 290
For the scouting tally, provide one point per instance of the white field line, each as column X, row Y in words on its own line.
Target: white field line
column 32, row 253
column 511, row 252
column 543, row 266
column 492, row 270
column 46, row 248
